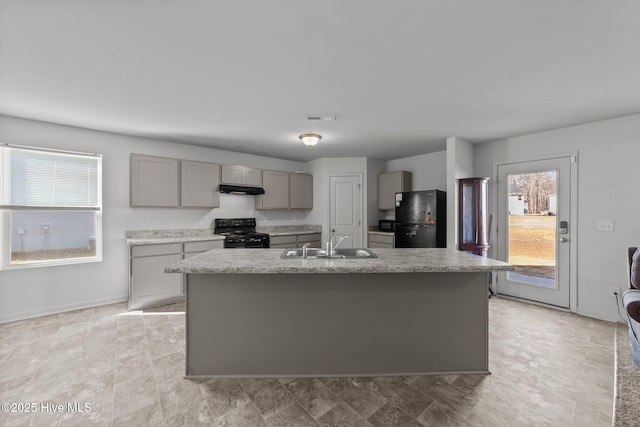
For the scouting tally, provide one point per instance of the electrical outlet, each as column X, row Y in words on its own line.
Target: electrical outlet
column 605, row 225
column 614, row 291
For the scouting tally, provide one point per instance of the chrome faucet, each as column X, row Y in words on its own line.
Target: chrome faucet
column 304, row 249
column 332, row 246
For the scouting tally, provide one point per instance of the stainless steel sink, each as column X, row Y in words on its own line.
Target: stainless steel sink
column 355, row 253
column 321, row 253
column 297, row 253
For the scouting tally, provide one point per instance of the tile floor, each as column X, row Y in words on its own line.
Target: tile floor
column 548, row 368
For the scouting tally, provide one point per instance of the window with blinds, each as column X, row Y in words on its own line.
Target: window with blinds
column 51, row 206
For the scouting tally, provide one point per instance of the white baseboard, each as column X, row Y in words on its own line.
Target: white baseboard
column 600, row 316
column 61, row 308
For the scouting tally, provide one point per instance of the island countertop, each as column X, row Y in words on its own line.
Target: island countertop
column 268, row 261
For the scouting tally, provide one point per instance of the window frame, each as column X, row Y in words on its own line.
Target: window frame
column 6, row 211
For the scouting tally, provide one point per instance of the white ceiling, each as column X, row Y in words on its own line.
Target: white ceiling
column 240, row 75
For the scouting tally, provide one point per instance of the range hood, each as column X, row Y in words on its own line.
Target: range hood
column 240, row 189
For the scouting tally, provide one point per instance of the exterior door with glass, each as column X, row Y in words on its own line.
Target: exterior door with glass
column 533, row 233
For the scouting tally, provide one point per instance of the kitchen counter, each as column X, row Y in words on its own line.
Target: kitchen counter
column 289, row 230
column 268, row 261
column 156, row 237
column 250, row 313
column 382, row 233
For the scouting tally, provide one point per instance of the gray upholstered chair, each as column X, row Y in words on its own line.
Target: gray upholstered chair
column 631, row 301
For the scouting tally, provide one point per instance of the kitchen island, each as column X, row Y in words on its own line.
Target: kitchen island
column 250, row 313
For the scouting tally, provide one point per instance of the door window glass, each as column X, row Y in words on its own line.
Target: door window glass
column 532, row 227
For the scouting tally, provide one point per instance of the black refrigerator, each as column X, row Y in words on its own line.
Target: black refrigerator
column 421, row 219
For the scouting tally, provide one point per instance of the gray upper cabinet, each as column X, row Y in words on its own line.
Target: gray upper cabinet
column 241, row 175
column 276, row 190
column 154, row 181
column 199, row 184
column 389, row 184
column 301, row 196
column 171, row 183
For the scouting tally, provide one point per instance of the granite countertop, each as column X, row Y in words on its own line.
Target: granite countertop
column 268, row 261
column 289, row 230
column 156, row 237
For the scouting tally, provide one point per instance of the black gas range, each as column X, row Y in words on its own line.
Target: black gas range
column 240, row 233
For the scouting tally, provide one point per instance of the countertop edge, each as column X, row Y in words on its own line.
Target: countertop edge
column 290, row 233
column 268, row 261
column 138, row 241
column 333, row 270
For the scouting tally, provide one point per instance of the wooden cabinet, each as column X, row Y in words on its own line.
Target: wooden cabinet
column 171, row 183
column 276, row 190
column 473, row 219
column 149, row 285
column 301, row 191
column 199, row 184
column 389, row 184
column 154, row 181
column 241, row 175
column 381, row 240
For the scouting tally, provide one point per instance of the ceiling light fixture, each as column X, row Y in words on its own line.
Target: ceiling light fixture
column 310, row 138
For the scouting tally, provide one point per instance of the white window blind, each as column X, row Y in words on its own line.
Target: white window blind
column 51, row 206
column 50, row 179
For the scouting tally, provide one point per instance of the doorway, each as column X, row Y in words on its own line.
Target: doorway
column 346, row 209
column 535, row 216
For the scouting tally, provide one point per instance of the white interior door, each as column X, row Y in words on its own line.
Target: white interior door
column 534, row 229
column 346, row 209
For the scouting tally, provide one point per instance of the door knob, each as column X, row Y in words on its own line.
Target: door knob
column 563, row 240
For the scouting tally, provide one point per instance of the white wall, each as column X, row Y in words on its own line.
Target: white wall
column 459, row 165
column 35, row 291
column 428, row 172
column 374, row 168
column 608, row 159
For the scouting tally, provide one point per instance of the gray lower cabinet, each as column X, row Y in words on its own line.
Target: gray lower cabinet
column 295, row 241
column 149, row 285
column 283, row 241
column 381, row 240
column 313, row 239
